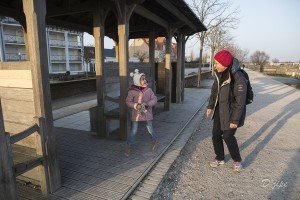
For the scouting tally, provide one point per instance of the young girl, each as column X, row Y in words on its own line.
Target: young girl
column 141, row 99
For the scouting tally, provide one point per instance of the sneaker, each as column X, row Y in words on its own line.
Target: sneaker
column 216, row 163
column 127, row 150
column 237, row 166
column 154, row 145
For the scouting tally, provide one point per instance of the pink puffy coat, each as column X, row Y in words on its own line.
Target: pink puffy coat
column 135, row 97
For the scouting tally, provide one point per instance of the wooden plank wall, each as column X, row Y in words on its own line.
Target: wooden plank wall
column 17, row 102
column 160, row 78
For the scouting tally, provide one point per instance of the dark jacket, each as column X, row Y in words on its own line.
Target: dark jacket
column 229, row 92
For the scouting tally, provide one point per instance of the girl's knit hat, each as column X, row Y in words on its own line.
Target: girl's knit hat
column 224, row 57
column 136, row 77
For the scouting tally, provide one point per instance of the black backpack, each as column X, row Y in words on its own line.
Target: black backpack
column 250, row 94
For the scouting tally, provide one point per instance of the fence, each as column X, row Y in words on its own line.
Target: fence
column 292, row 70
column 191, row 80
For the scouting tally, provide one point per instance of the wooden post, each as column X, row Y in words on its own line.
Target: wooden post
column 8, row 185
column 168, row 75
column 26, row 44
column 99, row 20
column 41, row 150
column 117, row 50
column 185, row 38
column 67, row 51
column 152, row 59
column 123, row 72
column 35, row 12
column 2, row 47
column 179, row 40
column 124, row 13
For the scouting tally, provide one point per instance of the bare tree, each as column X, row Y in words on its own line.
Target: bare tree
column 237, row 52
column 141, row 55
column 192, row 57
column 225, row 41
column 260, row 58
column 218, row 39
column 214, row 39
column 88, row 55
column 205, row 58
column 275, row 60
column 162, row 56
column 213, row 13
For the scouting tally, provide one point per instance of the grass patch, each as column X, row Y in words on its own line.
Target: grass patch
column 297, row 86
column 279, row 75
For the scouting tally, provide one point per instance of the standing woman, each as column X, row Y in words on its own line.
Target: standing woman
column 227, row 107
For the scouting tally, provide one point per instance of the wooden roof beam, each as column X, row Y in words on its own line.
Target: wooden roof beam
column 151, row 16
column 18, row 15
column 86, row 7
column 178, row 24
column 175, row 11
column 131, row 2
column 148, row 27
column 69, row 25
column 58, row 13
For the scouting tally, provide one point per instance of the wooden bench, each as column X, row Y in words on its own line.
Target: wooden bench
column 160, row 97
column 21, row 159
column 25, row 159
column 114, row 113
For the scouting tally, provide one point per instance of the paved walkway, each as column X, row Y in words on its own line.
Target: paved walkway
column 96, row 168
column 270, row 148
column 72, row 112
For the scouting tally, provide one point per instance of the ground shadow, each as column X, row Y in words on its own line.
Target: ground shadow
column 287, row 182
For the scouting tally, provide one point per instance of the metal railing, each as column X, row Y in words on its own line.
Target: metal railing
column 75, row 57
column 15, row 57
column 59, row 43
column 74, row 44
column 58, row 57
column 13, row 39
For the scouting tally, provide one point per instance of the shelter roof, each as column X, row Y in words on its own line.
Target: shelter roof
column 147, row 15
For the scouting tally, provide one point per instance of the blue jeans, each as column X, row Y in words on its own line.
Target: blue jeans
column 134, row 128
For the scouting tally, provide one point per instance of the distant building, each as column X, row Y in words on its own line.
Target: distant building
column 284, row 63
column 65, row 47
column 139, row 46
column 89, row 57
column 110, row 55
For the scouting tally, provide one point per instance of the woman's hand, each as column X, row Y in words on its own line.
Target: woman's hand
column 208, row 112
column 231, row 125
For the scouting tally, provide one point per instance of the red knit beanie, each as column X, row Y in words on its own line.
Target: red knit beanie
column 224, row 57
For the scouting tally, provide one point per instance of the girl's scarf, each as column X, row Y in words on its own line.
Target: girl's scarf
column 139, row 87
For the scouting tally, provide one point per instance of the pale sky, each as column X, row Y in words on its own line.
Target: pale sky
column 272, row 26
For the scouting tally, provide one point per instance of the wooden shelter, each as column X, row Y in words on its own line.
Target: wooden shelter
column 24, row 86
